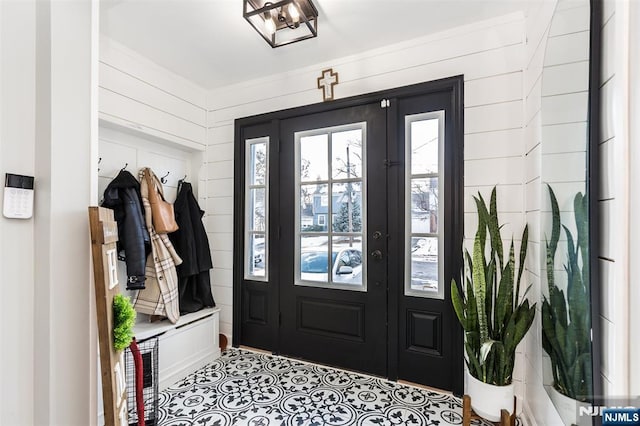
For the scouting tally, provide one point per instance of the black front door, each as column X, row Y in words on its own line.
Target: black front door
column 349, row 231
column 333, row 285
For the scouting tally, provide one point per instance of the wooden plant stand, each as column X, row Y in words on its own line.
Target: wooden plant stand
column 468, row 414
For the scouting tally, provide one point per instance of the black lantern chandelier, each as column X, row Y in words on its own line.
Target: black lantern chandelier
column 282, row 22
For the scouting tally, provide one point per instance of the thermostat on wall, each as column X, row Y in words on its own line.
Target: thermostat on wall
column 18, row 196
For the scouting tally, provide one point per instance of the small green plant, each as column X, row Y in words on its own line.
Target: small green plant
column 566, row 325
column 495, row 319
column 124, row 316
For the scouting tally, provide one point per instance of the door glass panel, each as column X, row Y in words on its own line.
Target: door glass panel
column 257, row 267
column 347, row 259
column 314, row 258
column 258, row 159
column 314, row 158
column 424, row 263
column 330, row 215
column 424, row 146
column 346, row 159
column 424, row 221
column 314, row 208
column 347, row 207
column 424, row 205
column 256, row 209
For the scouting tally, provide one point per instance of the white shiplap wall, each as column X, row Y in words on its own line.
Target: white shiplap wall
column 488, row 53
column 613, row 252
column 144, row 98
column 537, row 405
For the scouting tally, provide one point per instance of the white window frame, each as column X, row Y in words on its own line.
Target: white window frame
column 329, row 233
column 442, row 220
column 248, row 233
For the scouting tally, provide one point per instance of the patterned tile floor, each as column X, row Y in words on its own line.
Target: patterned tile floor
column 254, row 389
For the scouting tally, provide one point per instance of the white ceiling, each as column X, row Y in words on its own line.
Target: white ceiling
column 210, row 43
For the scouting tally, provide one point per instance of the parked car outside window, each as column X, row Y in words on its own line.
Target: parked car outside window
column 346, row 266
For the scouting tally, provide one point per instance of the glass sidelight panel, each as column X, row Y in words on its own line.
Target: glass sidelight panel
column 256, row 209
column 424, row 220
column 330, row 215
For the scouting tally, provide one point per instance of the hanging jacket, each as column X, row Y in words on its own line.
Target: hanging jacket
column 160, row 297
column 191, row 242
column 122, row 195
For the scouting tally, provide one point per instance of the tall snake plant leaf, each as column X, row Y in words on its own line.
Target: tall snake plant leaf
column 480, row 287
column 459, row 305
column 494, row 228
column 521, row 265
column 504, row 302
column 552, row 244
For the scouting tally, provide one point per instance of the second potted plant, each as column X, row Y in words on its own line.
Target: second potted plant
column 494, row 316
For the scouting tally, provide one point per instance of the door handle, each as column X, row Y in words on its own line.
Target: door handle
column 376, row 254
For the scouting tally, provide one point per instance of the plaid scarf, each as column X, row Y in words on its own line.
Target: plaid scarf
column 160, row 297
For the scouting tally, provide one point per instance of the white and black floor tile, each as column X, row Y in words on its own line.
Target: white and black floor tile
column 254, row 389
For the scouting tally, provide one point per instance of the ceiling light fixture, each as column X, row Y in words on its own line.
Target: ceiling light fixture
column 283, row 22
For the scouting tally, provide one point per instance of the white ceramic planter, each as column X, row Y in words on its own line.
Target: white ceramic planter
column 487, row 400
column 567, row 407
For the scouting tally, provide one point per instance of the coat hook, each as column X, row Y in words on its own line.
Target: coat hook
column 99, row 161
column 125, row 167
column 163, row 179
column 183, row 179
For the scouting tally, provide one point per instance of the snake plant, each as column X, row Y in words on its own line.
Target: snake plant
column 566, row 325
column 493, row 315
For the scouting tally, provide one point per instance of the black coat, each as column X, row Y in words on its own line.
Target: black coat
column 122, row 195
column 192, row 245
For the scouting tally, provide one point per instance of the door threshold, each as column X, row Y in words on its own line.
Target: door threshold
column 425, row 387
column 252, row 349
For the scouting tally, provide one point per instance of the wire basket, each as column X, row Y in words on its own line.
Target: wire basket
column 149, row 351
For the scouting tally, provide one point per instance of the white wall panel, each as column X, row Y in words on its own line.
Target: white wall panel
column 493, row 90
column 566, row 78
column 569, row 108
column 503, row 171
column 122, row 58
column 120, row 106
column 502, row 116
column 219, row 205
column 571, row 20
column 495, row 144
column 567, row 49
column 563, row 138
column 222, row 259
column 121, row 82
column 220, row 152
